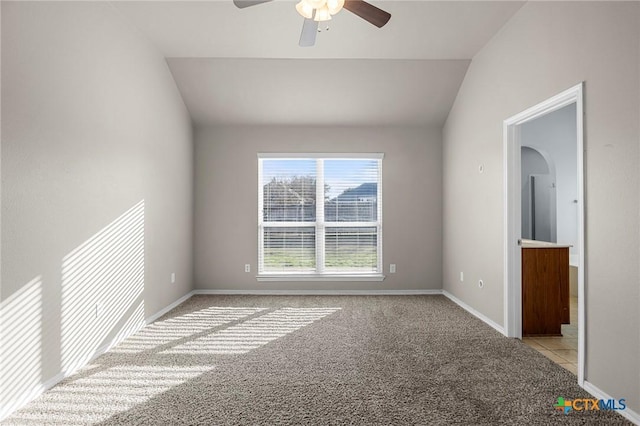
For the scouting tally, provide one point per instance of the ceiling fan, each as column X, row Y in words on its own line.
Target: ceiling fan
column 316, row 11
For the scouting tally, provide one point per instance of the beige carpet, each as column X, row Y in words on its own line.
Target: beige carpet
column 370, row 360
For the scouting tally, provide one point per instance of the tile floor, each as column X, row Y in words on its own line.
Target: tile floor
column 561, row 350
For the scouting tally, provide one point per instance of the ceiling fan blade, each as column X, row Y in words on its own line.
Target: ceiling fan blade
column 368, row 12
column 309, row 33
column 241, row 4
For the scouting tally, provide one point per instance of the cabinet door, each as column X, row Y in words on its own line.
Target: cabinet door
column 545, row 284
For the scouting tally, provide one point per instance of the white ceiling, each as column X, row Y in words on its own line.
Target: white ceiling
column 236, row 66
column 417, row 29
column 318, row 91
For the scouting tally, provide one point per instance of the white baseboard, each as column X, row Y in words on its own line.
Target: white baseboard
column 318, row 292
column 166, row 309
column 134, row 327
column 40, row 389
column 474, row 312
column 600, row 394
column 123, row 334
column 15, row 405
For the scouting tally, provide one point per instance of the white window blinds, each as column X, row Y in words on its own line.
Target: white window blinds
column 320, row 215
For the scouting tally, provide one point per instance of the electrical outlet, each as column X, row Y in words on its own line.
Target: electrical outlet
column 247, row 267
column 461, row 276
column 173, row 278
column 392, row 268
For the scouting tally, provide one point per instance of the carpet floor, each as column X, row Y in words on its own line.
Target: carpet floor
column 315, row 360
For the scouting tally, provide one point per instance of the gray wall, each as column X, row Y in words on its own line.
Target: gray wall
column 227, row 202
column 97, row 161
column 545, row 48
column 555, row 134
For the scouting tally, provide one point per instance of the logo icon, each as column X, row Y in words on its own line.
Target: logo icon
column 563, row 405
column 589, row 404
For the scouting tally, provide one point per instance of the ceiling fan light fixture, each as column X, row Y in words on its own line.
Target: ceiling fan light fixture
column 322, row 14
column 335, row 6
column 305, row 9
column 316, row 11
column 316, row 4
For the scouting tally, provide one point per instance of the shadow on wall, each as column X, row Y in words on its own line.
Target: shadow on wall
column 102, row 295
column 21, row 349
column 101, row 281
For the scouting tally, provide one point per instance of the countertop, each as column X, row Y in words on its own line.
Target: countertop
column 542, row 244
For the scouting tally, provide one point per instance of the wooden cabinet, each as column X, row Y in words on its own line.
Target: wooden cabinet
column 545, row 290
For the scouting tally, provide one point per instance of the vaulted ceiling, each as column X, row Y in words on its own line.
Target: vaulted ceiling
column 244, row 66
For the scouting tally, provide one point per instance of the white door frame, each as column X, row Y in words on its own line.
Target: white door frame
column 513, row 219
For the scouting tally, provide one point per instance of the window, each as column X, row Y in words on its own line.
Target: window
column 319, row 215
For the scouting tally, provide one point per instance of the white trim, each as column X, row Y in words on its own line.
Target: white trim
column 554, row 103
column 49, row 383
column 7, row 410
column 319, row 225
column 512, row 214
column 54, row 381
column 380, row 263
column 259, row 254
column 119, row 337
column 600, row 394
column 325, row 224
column 166, row 309
column 67, row 372
column 582, row 313
column 125, row 333
column 512, row 226
column 318, row 277
column 426, row 292
column 474, row 312
column 314, row 155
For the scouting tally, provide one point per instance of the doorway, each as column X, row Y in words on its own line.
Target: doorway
column 521, row 193
column 538, row 186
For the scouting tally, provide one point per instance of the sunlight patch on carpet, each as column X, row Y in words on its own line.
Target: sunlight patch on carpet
column 253, row 333
column 164, row 332
column 101, row 395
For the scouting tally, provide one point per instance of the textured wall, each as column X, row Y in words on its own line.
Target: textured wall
column 544, row 49
column 227, row 202
column 96, row 187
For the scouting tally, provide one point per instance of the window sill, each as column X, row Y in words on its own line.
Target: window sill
column 312, row 277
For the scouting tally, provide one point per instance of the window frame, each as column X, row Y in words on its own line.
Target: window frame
column 320, row 225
